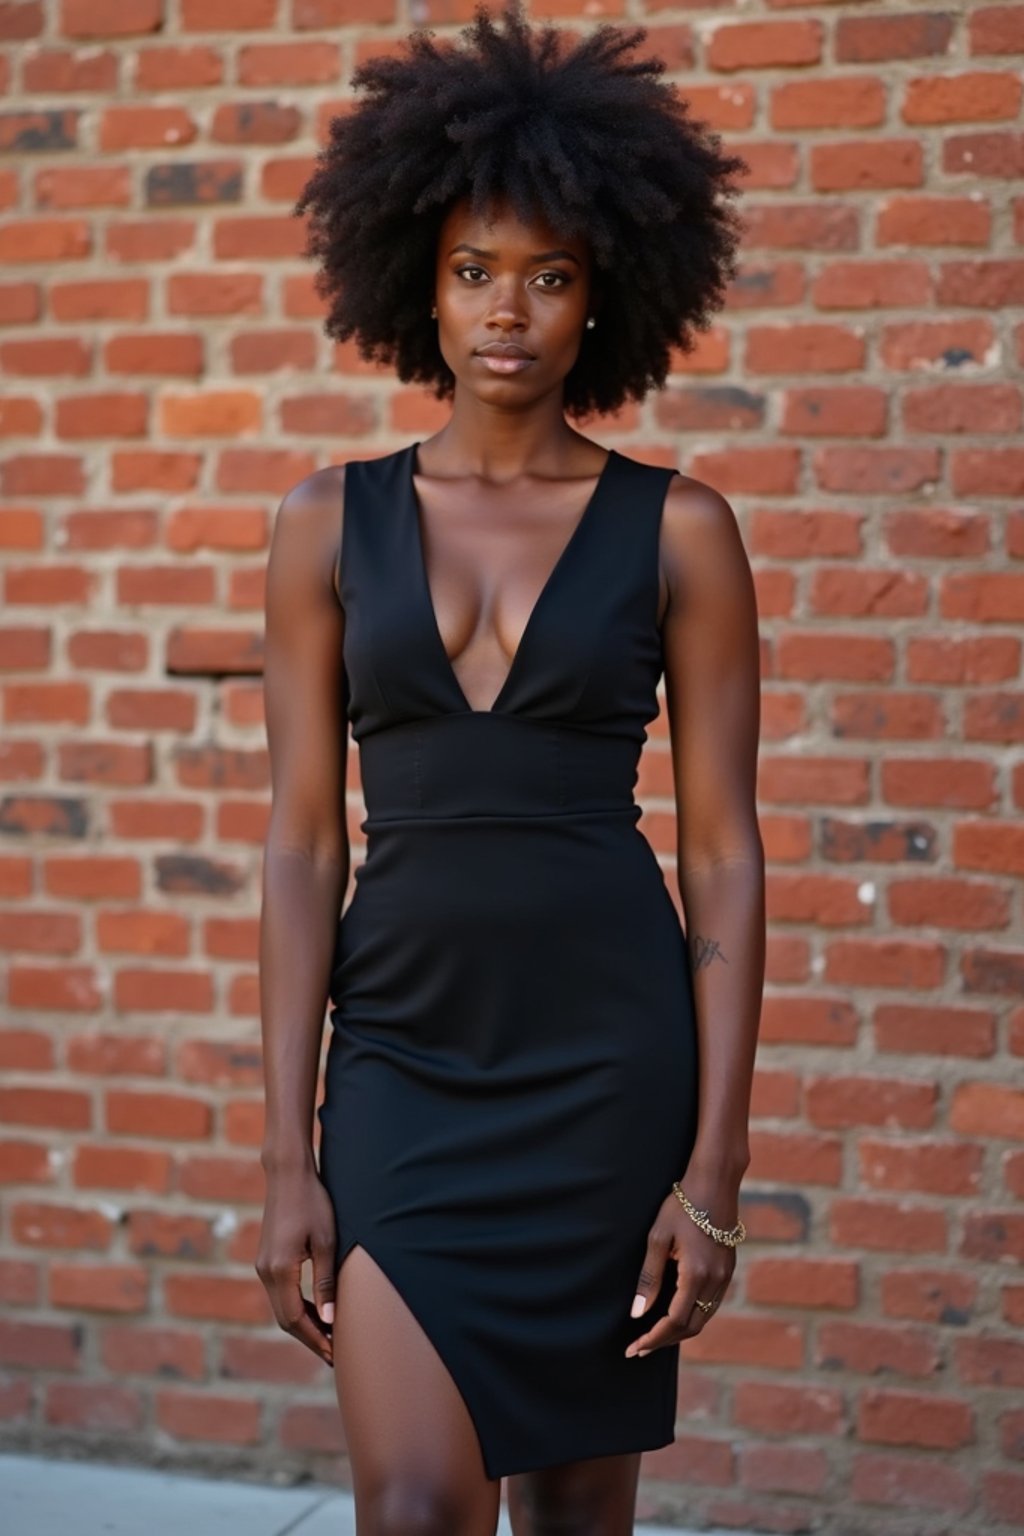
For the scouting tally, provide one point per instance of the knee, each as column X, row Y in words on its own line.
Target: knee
column 411, row 1509
column 581, row 1514
column 555, row 1518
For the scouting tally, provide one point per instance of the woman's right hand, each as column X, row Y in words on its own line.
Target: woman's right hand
column 298, row 1224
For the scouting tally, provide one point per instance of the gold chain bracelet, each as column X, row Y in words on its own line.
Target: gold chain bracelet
column 730, row 1238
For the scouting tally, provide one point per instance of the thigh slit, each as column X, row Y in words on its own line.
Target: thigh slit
column 432, row 1317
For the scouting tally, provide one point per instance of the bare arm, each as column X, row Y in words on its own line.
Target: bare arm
column 305, row 874
column 712, row 687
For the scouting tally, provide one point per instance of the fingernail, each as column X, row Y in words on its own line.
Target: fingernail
column 642, row 1352
column 327, row 1311
column 637, row 1307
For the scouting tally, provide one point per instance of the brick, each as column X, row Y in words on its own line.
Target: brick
column 317, row 1427
column 245, row 1357
column 24, row 1050
column 934, row 221
column 155, row 1234
column 795, row 1157
column 929, row 1296
column 990, row 970
column 775, row 1468
column 830, row 1283
column 172, row 1116
column 901, row 1483
column 120, row 1167
column 236, row 1180
column 983, row 598
column 93, row 1405
column 19, row 1283
column 1011, row 1434
column 883, row 963
column 60, row 1226
column 879, row 38
column 220, row 1063
column 812, row 657
column 973, row 96
column 115, row 1055
column 56, row 1108
column 25, row 1163
column 156, row 991
column 990, row 1360
column 99, row 1287
column 874, row 1349
column 774, row 1216
column 862, row 593
column 988, row 1110
column 129, row 1349
column 836, row 101
column 954, row 783
column 1003, row 1494
column 219, row 1298
column 835, row 1103
column 994, row 1237
column 765, row 45
column 866, row 164
column 749, row 1340
column 888, row 1226
column 996, row 29
column 228, row 15
column 879, row 842
column 207, row 1417
column 779, row 1408
column 928, row 1167
column 36, row 1346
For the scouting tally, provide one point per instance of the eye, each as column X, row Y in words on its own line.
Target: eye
column 461, row 271
column 562, row 279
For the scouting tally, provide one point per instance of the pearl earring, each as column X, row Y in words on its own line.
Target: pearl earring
column 591, row 323
column 433, row 312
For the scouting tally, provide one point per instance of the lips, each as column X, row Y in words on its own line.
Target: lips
column 503, row 349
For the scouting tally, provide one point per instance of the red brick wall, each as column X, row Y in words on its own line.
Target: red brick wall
column 859, row 401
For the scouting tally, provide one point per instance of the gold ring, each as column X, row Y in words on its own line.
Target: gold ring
column 705, row 1306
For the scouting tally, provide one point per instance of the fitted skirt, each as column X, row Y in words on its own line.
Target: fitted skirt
column 510, row 1090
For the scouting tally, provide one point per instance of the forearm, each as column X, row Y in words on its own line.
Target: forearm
column 725, row 917
column 302, row 898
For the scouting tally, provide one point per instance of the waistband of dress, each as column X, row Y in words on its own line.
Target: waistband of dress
column 479, row 764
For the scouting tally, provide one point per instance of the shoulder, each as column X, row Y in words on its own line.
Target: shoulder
column 700, row 535
column 305, row 502
column 308, row 527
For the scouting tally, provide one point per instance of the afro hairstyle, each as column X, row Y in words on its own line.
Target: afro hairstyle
column 570, row 127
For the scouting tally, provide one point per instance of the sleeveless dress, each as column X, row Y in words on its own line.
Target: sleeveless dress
column 511, row 1079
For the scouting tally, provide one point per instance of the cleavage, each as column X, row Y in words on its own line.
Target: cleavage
column 487, row 568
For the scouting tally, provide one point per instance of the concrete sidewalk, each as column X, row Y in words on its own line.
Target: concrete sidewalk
column 40, row 1497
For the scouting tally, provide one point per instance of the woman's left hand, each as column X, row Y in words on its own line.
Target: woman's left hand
column 705, row 1267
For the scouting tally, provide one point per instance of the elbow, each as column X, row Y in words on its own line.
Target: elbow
column 742, row 849
column 324, row 849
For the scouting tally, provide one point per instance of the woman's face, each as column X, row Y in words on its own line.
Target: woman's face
column 502, row 283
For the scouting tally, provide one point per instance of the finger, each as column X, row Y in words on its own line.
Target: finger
column 323, row 1281
column 293, row 1312
column 674, row 1325
column 651, row 1272
column 305, row 1325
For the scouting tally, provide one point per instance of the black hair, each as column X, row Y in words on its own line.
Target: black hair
column 570, row 127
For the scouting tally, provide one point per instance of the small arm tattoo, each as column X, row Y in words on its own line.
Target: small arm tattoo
column 706, row 950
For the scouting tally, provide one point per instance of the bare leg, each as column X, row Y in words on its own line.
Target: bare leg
column 581, row 1498
column 415, row 1456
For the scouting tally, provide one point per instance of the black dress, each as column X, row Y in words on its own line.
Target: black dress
column 511, row 1082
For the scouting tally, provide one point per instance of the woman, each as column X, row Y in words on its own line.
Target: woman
column 537, row 1087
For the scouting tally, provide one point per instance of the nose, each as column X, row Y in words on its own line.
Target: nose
column 507, row 309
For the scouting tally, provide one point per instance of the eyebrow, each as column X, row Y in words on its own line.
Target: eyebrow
column 474, row 250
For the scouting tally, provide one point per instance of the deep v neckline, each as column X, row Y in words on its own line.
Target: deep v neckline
column 543, row 596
